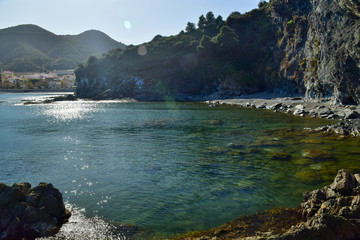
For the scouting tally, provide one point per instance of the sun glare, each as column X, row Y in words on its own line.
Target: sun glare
column 127, row 25
column 142, row 50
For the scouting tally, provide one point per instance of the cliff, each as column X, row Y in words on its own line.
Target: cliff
column 290, row 47
column 319, row 47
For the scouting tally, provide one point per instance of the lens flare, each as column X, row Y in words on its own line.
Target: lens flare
column 142, row 50
column 127, row 25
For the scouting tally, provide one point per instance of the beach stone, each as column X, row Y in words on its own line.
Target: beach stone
column 276, row 106
column 261, row 106
column 300, row 112
column 351, row 114
column 325, row 113
column 299, row 107
column 30, row 213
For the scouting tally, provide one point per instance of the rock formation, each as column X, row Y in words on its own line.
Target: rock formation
column 319, row 48
column 331, row 213
column 29, row 213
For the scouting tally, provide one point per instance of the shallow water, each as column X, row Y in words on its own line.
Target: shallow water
column 167, row 167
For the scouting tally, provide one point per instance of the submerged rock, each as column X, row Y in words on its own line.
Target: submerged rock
column 316, row 154
column 279, row 156
column 331, row 213
column 29, row 213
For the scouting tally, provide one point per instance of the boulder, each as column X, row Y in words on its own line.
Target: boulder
column 29, row 213
column 351, row 114
column 331, row 213
column 346, row 127
column 276, row 106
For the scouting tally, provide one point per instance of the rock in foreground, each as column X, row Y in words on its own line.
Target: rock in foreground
column 29, row 213
column 331, row 213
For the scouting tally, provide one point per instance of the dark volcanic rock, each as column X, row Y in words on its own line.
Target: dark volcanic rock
column 29, row 213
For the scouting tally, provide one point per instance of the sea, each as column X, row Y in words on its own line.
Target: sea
column 153, row 170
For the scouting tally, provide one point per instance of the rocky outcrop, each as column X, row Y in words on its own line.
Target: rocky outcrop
column 318, row 47
column 351, row 127
column 29, row 213
column 351, row 6
column 331, row 213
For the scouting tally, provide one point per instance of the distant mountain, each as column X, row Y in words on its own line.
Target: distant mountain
column 31, row 48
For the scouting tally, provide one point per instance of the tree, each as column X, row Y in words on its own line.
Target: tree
column 202, row 22
column 262, row 4
column 190, row 27
column 219, row 22
column 235, row 14
column 210, row 20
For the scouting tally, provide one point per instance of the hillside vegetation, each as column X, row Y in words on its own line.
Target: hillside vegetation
column 29, row 48
column 285, row 46
column 228, row 55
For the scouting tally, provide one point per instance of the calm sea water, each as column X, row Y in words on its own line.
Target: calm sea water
column 166, row 167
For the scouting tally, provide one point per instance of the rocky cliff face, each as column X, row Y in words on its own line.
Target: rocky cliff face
column 308, row 47
column 319, row 47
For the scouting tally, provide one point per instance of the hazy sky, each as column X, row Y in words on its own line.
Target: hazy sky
column 127, row 21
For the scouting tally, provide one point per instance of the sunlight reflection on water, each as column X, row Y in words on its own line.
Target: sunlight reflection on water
column 81, row 227
column 166, row 167
column 69, row 111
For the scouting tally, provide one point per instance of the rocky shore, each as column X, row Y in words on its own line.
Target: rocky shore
column 331, row 213
column 347, row 115
column 29, row 213
column 326, row 108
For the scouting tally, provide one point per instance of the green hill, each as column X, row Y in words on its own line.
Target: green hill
column 31, row 48
column 289, row 47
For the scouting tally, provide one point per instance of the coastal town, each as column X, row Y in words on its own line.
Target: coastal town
column 57, row 79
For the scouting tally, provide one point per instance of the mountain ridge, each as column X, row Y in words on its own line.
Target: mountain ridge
column 29, row 47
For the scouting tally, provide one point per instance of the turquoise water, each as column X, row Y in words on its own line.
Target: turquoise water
column 166, row 167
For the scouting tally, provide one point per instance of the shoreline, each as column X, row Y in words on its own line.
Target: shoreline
column 347, row 117
column 287, row 105
column 36, row 90
column 329, row 213
column 298, row 106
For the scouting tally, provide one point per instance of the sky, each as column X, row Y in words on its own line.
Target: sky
column 127, row 21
